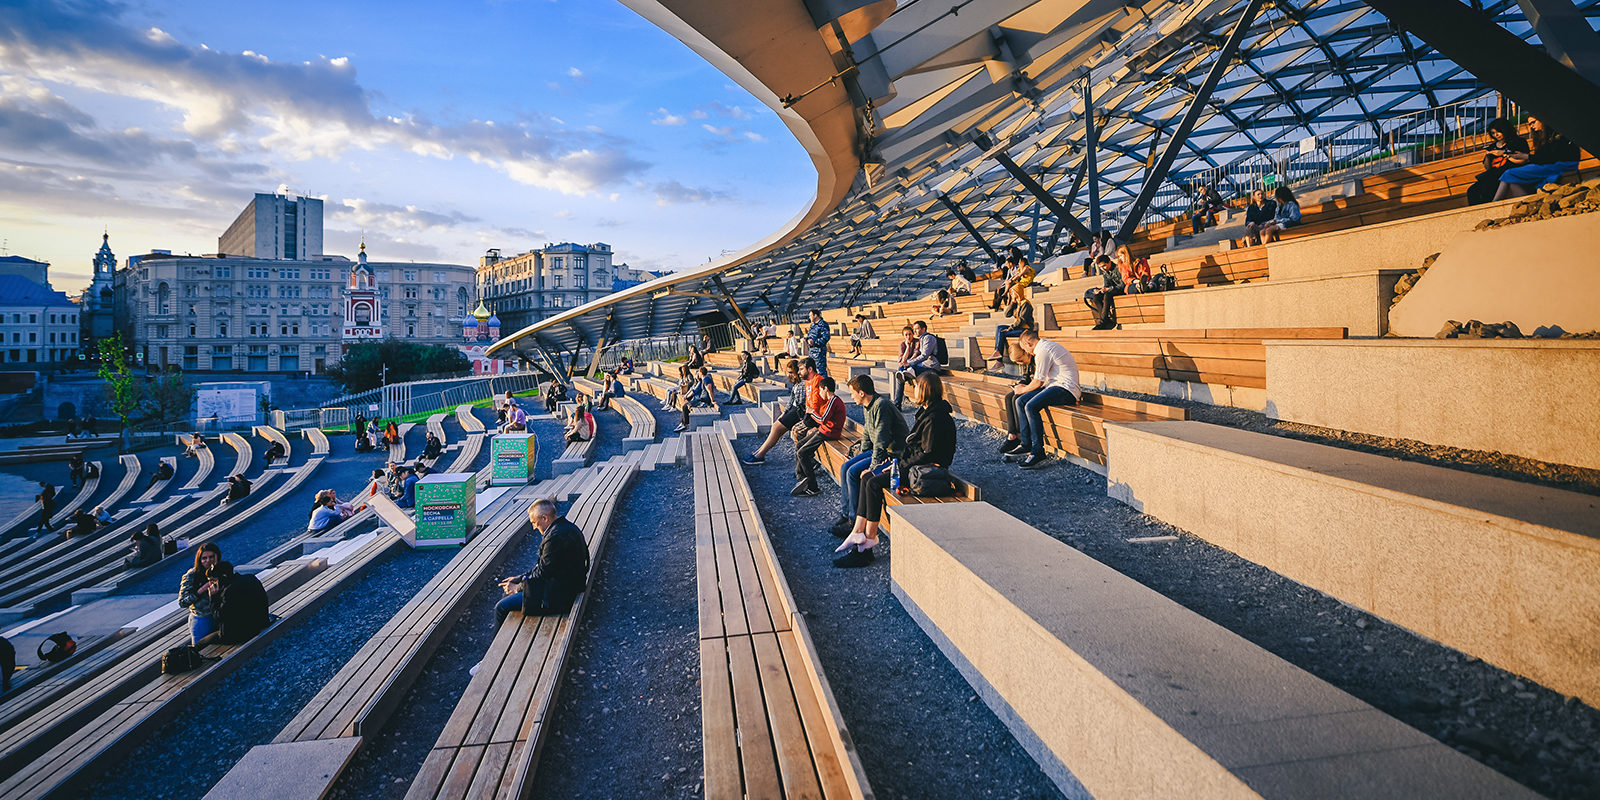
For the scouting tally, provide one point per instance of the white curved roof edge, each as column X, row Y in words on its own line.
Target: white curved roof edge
column 826, row 128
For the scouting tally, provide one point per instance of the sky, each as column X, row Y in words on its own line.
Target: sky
column 435, row 130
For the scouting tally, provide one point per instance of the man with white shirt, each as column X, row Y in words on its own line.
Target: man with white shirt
column 1055, row 383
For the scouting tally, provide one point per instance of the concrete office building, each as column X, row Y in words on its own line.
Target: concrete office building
column 524, row 289
column 275, row 226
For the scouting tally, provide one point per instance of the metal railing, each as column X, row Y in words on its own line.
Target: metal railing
column 1403, row 140
column 400, row 400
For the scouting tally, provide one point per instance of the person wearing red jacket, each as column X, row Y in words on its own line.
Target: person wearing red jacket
column 825, row 425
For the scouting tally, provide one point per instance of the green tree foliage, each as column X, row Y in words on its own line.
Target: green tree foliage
column 361, row 368
column 124, row 390
column 169, row 397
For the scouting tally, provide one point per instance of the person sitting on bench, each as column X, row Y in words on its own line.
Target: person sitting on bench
column 516, row 420
column 696, row 359
column 391, row 433
column 1553, row 155
column 163, row 473
column 791, row 416
column 1102, row 299
column 931, row 442
column 193, row 447
column 559, row 576
column 627, row 366
column 961, row 278
column 705, row 394
column 1054, row 383
column 1287, row 216
column 363, row 441
column 374, row 432
column 199, row 591
column 555, row 393
column 83, row 523
column 241, row 609
column 1260, row 212
column 434, row 448
column 407, row 495
column 102, row 516
column 925, row 359
column 325, row 515
column 883, row 438
column 274, row 452
column 863, row 330
column 146, row 548
column 612, row 388
column 826, row 425
column 1021, row 315
column 748, row 372
column 578, row 429
column 238, row 489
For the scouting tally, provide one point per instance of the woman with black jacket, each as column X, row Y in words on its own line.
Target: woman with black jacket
column 932, row 441
column 748, row 372
column 696, row 360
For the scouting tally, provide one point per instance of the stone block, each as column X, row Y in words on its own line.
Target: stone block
column 1402, row 244
column 1358, row 301
column 288, row 770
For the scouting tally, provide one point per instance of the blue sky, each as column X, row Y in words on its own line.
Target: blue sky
column 439, row 133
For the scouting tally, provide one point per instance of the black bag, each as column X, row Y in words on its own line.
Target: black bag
column 181, row 659
column 941, row 351
column 1163, row 281
column 930, row 480
column 62, row 647
column 169, row 547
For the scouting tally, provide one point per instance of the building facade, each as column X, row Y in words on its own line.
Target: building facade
column 227, row 314
column 97, row 302
column 38, row 325
column 524, row 289
column 275, row 226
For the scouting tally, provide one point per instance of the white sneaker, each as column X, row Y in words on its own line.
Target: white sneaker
column 474, row 670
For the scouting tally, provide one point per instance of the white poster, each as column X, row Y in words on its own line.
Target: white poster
column 229, row 405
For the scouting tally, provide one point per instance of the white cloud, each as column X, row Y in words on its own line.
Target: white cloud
column 667, row 118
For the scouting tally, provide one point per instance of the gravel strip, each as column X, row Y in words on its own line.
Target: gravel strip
column 1500, row 465
column 920, row 729
column 610, row 429
column 186, row 757
column 634, row 673
column 1540, row 738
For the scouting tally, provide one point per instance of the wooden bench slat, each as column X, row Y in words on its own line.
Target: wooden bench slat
column 796, row 766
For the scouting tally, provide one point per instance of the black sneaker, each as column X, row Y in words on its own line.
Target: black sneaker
column 1012, row 458
column 842, row 527
column 855, row 558
column 755, row 460
column 799, row 490
column 1033, row 462
column 806, row 489
column 1011, row 446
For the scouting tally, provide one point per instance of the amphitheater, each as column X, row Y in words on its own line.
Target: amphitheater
column 1325, row 522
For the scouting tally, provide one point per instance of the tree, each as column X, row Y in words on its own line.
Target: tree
column 123, row 389
column 169, row 397
column 362, row 366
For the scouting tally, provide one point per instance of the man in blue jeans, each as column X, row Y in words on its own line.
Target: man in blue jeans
column 817, row 337
column 883, row 438
column 562, row 571
column 1055, row 383
column 924, row 359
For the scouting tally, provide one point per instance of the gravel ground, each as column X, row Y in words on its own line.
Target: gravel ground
column 634, row 675
column 1500, row 465
column 1538, row 737
column 920, row 729
column 611, row 429
column 186, row 757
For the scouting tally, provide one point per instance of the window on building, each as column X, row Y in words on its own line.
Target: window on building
column 222, row 328
column 291, row 273
column 161, row 331
column 224, row 272
column 411, row 276
column 557, row 281
column 192, row 330
column 411, row 329
column 439, row 277
column 411, row 292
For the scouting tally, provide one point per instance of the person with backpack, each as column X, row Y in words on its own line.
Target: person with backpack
column 241, row 608
column 748, row 372
column 199, row 591
column 1100, row 299
column 925, row 359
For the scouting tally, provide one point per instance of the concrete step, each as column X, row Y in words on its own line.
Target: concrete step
column 1465, row 559
column 743, row 425
column 650, row 457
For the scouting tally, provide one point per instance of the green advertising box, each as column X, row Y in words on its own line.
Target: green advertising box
column 447, row 509
column 512, row 455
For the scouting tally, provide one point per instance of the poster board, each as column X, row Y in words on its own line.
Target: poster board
column 512, row 458
column 447, row 510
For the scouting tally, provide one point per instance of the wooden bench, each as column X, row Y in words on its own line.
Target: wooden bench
column 358, row 701
column 397, row 451
column 116, row 712
column 1074, row 431
column 241, row 447
column 319, row 441
column 490, row 746
column 205, row 462
column 770, row 724
column 154, row 489
column 20, row 548
column 275, row 436
column 1216, row 356
column 641, row 423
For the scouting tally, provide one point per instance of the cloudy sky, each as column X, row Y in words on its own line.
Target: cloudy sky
column 497, row 123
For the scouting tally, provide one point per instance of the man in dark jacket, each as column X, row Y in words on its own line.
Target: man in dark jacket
column 243, row 612
column 47, row 506
column 562, row 571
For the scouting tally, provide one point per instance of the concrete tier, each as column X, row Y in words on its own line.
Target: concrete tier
column 1401, row 244
column 1507, row 572
column 1119, row 692
column 1358, row 301
column 1527, row 397
column 1534, row 274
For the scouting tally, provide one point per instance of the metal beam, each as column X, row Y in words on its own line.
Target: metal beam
column 1091, row 143
column 966, row 223
column 1157, row 175
column 1565, row 33
column 1037, row 190
column 1558, row 96
column 794, row 296
column 605, row 335
column 749, row 331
